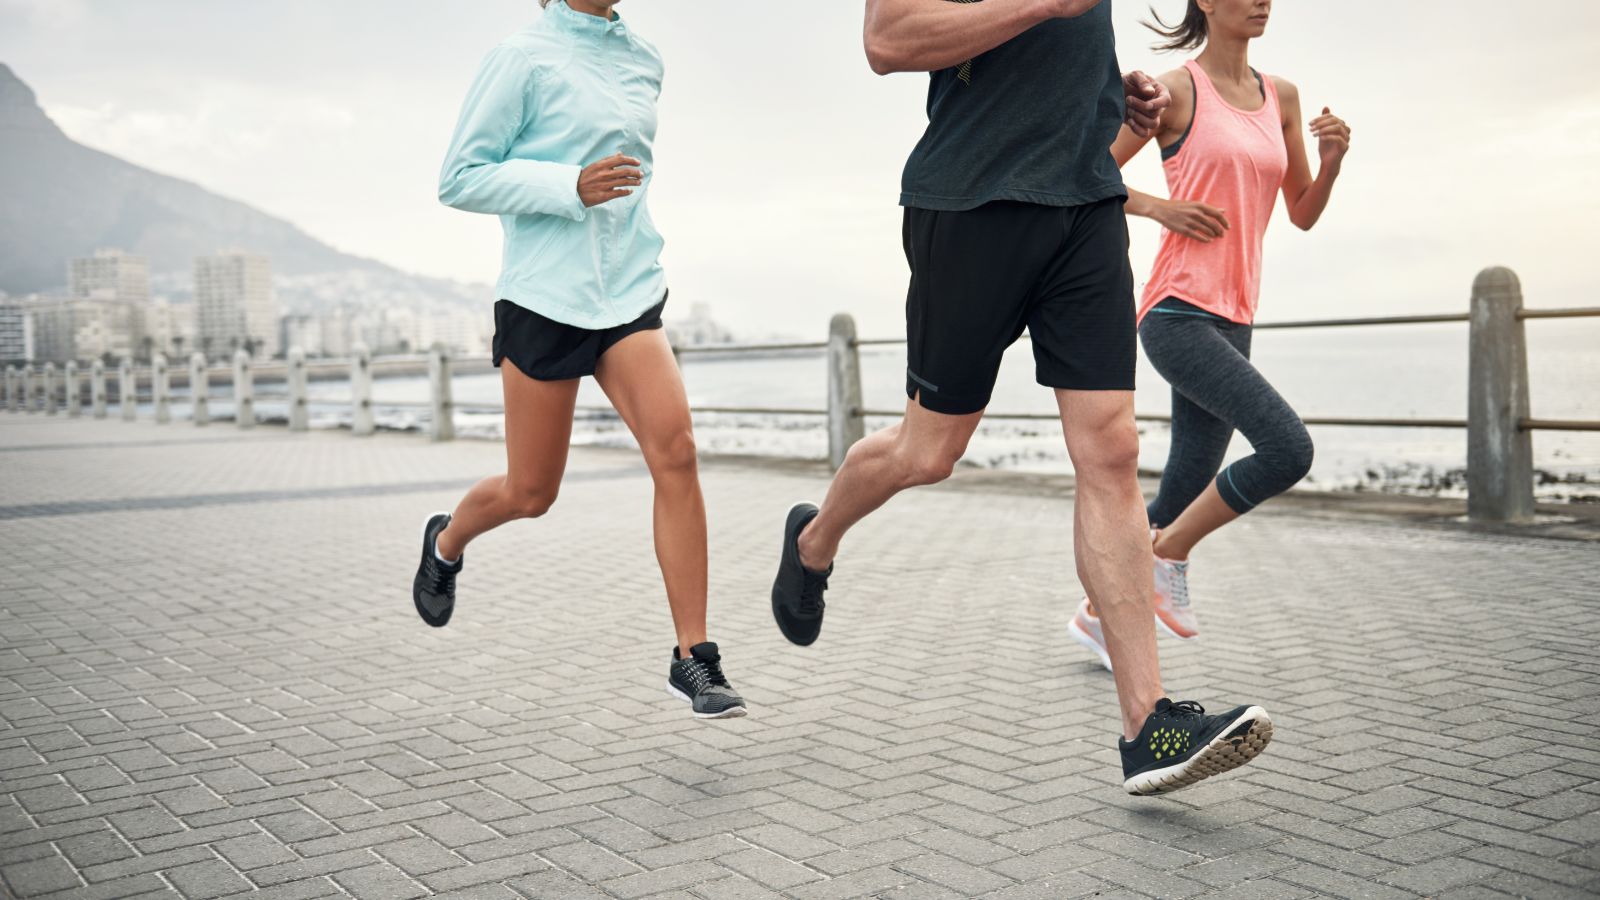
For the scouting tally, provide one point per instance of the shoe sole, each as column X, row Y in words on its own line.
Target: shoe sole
column 416, row 595
column 1086, row 639
column 1242, row 741
column 1173, row 632
column 777, row 619
column 732, row 712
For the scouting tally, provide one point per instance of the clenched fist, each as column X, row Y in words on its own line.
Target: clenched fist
column 610, row 178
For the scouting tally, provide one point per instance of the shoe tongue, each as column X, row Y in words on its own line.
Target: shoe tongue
column 1163, row 705
column 706, row 651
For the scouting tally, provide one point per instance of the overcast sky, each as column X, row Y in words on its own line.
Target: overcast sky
column 1476, row 138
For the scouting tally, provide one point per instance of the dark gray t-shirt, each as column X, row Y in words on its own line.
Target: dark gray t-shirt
column 1031, row 120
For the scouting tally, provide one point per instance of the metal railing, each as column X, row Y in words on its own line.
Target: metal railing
column 1498, row 422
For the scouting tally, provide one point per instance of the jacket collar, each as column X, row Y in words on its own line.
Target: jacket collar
column 571, row 21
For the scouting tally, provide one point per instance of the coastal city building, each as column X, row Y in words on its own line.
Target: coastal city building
column 110, row 275
column 16, row 332
column 234, row 304
column 81, row 328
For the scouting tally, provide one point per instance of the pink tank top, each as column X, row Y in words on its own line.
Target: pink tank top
column 1234, row 160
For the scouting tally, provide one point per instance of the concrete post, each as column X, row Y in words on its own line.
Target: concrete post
column 299, row 403
column 127, row 390
column 244, row 390
column 11, row 389
column 97, row 388
column 30, row 402
column 73, row 401
column 50, row 388
column 443, row 425
column 199, row 389
column 846, row 425
column 361, row 421
column 1499, row 451
column 160, row 389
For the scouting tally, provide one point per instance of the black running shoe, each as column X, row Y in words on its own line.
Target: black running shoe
column 698, row 679
column 797, row 591
column 434, row 588
column 1180, row 745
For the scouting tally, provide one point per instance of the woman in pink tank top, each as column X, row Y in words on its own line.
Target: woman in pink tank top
column 1230, row 143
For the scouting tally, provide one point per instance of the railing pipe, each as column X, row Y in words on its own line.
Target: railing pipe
column 199, row 389
column 244, row 390
column 442, row 426
column 845, row 427
column 299, row 408
column 97, row 388
column 160, row 388
column 1499, row 453
column 361, row 420
column 73, row 400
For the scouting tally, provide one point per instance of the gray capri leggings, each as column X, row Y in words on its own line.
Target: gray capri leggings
column 1215, row 390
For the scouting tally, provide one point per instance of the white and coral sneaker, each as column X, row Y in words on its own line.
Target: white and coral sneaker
column 1174, row 613
column 1086, row 629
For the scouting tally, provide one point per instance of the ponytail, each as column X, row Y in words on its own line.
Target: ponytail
column 1188, row 34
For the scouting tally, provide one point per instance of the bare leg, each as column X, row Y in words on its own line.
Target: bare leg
column 1206, row 514
column 1111, row 541
column 922, row 448
column 643, row 382
column 538, row 430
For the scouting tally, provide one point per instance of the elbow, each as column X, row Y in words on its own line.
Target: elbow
column 881, row 57
column 450, row 191
column 1303, row 223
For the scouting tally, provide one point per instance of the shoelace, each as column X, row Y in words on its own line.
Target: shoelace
column 811, row 588
column 439, row 577
column 1186, row 708
column 1178, row 584
column 704, row 673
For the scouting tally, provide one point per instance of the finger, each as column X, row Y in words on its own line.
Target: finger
column 1326, row 111
column 625, row 172
column 1221, row 215
column 618, row 160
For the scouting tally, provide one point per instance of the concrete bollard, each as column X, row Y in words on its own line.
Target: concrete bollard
column 1499, row 449
column 127, row 390
column 846, row 425
column 73, row 401
column 244, row 390
column 160, row 388
column 199, row 390
column 11, row 389
column 97, row 388
column 29, row 401
column 50, row 388
column 299, row 403
column 361, row 420
column 443, row 425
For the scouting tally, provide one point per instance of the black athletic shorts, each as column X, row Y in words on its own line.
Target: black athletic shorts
column 980, row 276
column 547, row 350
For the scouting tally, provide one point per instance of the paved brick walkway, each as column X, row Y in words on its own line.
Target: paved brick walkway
column 212, row 681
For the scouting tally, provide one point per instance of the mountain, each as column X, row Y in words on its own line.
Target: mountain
column 60, row 199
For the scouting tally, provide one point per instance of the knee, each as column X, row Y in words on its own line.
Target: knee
column 1298, row 457
column 922, row 466
column 530, row 501
column 1110, row 453
column 673, row 455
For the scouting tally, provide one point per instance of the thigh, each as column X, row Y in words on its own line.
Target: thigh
column 971, row 275
column 1097, row 424
column 641, row 378
column 1207, row 362
column 1082, row 317
column 538, row 427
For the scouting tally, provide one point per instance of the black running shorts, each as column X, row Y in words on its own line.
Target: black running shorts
column 547, row 350
column 980, row 276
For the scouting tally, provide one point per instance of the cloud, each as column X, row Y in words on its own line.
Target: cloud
column 50, row 14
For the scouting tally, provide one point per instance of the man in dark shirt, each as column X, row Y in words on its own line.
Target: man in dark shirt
column 1013, row 221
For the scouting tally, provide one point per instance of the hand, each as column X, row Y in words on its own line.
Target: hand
column 1146, row 98
column 1333, row 138
column 608, row 179
column 1192, row 219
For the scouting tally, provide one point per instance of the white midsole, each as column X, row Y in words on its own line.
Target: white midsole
column 1084, row 638
column 730, row 713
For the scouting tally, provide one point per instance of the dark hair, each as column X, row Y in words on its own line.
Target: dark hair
column 1186, row 35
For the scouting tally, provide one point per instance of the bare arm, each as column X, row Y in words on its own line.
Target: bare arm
column 1189, row 218
column 1306, row 197
column 929, row 35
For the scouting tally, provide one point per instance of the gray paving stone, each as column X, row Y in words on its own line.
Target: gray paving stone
column 307, row 738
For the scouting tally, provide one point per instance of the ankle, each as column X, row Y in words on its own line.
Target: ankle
column 1169, row 550
column 443, row 548
column 813, row 557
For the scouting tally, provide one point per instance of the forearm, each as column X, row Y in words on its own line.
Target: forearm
column 1309, row 206
column 513, row 187
column 1142, row 204
column 928, row 35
